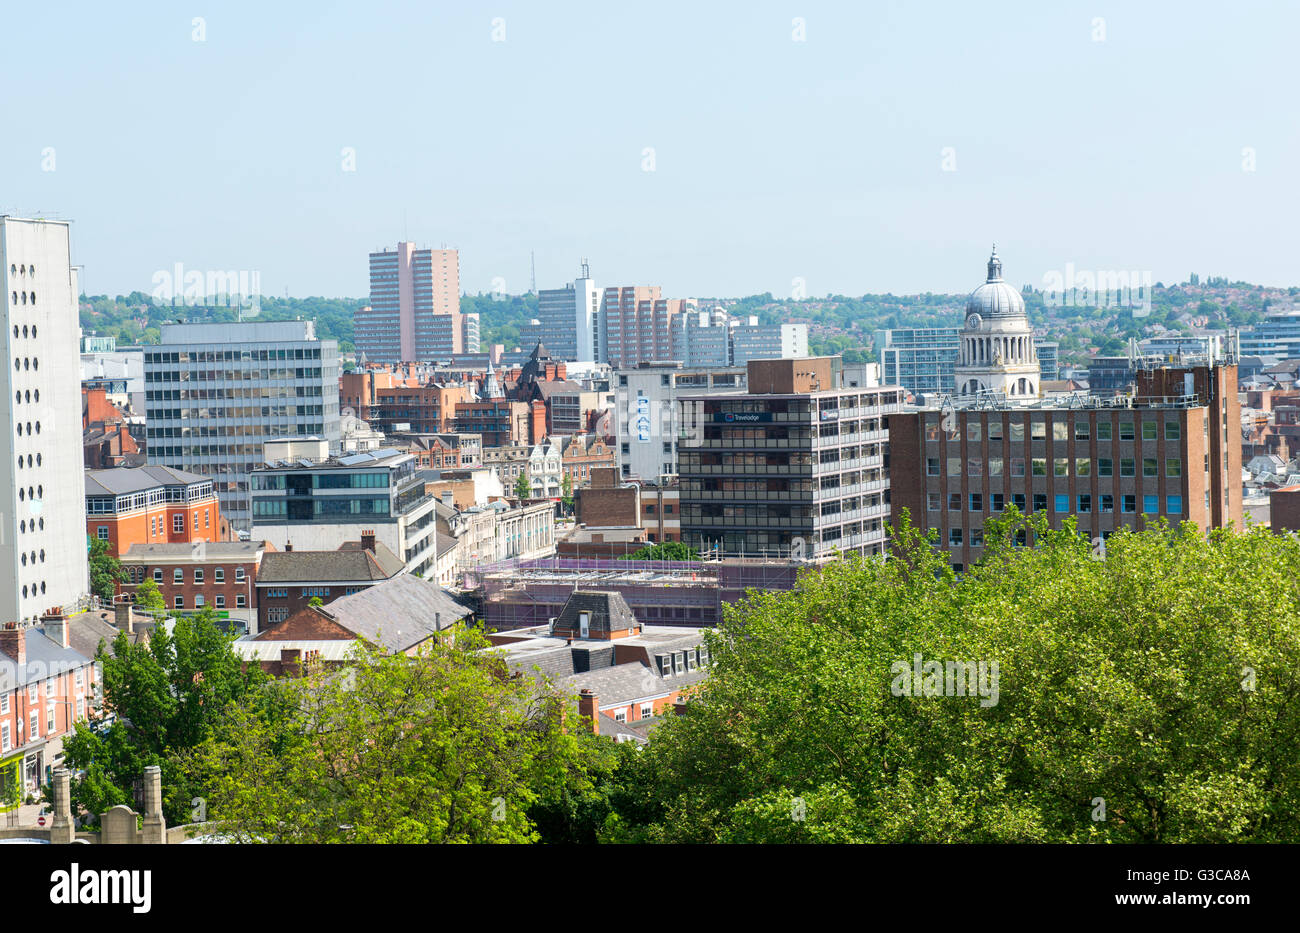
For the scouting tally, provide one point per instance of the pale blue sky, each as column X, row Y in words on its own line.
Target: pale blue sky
column 774, row 159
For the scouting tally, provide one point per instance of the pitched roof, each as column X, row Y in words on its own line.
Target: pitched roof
column 349, row 562
column 87, row 629
column 398, row 613
column 137, row 479
column 45, row 658
column 607, row 612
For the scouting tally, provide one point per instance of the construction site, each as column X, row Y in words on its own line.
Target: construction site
column 521, row 593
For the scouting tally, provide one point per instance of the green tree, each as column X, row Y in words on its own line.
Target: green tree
column 163, row 697
column 566, row 491
column 523, row 488
column 147, row 596
column 664, row 550
column 435, row 748
column 105, row 569
column 1144, row 693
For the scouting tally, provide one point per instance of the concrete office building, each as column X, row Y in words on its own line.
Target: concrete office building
column 794, row 467
column 214, row 393
column 1173, row 449
column 317, row 504
column 569, row 319
column 414, row 311
column 42, row 502
column 646, row 413
column 751, row 340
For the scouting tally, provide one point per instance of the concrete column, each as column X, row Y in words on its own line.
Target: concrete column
column 61, row 829
column 154, row 831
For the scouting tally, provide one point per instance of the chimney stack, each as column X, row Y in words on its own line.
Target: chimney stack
column 123, row 619
column 368, row 541
column 13, row 641
column 291, row 662
column 589, row 706
column 56, row 626
column 288, row 545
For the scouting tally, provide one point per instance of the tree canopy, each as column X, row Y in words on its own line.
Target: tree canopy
column 1147, row 694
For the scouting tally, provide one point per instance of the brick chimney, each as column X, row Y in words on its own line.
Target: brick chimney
column 291, row 661
column 56, row 626
column 368, row 541
column 588, row 705
column 123, row 619
column 13, row 641
column 537, row 422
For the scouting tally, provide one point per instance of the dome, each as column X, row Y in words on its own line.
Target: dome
column 995, row 298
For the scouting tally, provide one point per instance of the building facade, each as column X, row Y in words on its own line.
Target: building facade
column 214, row 393
column 414, row 311
column 219, row 576
column 795, row 467
column 569, row 319
column 151, row 505
column 42, row 508
column 1172, row 450
column 922, row 360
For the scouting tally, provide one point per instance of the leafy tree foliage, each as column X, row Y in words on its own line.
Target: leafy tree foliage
column 147, row 596
column 163, row 697
column 664, row 550
column 105, row 569
column 442, row 747
column 1147, row 694
column 523, row 488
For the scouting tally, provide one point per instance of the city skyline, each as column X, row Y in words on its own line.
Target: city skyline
column 794, row 150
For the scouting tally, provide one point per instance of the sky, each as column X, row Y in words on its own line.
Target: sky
column 714, row 149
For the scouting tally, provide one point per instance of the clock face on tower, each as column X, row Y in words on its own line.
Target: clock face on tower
column 973, row 321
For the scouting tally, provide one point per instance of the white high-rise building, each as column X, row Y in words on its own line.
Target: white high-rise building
column 42, row 493
column 569, row 319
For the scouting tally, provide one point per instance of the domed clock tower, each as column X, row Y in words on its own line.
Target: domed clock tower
column 996, row 347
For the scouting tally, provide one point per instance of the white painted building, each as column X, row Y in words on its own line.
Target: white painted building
column 42, row 494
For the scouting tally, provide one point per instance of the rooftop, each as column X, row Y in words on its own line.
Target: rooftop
column 351, row 562
column 197, row 552
column 121, row 480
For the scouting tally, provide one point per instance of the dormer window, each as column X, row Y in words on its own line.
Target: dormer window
column 584, row 624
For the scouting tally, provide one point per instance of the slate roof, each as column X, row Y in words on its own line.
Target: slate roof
column 210, row 551
column 45, row 658
column 121, row 480
column 349, row 562
column 628, row 683
column 396, row 614
column 608, row 611
column 87, row 628
column 637, row 731
column 555, row 387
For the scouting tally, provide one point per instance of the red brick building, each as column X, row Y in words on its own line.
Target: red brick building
column 220, row 575
column 152, row 505
column 287, row 581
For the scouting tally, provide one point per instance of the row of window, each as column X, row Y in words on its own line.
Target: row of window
column 218, row 601
column 1061, row 466
column 1061, row 431
column 1061, row 503
column 22, row 297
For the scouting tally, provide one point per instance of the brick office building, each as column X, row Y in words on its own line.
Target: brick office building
column 219, row 575
column 1170, row 450
column 152, row 505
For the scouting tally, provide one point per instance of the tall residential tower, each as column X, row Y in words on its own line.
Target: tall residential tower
column 414, row 311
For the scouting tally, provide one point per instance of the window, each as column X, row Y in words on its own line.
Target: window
column 198, row 574
column 997, row 502
column 1107, row 503
column 995, row 466
column 1018, row 500
column 995, row 430
column 931, row 466
column 178, row 524
column 1017, row 466
column 1085, row 503
column 5, row 742
column 1062, row 503
column 954, row 537
column 1040, row 502
column 240, row 601
column 34, row 726
column 647, row 710
column 1173, row 466
column 976, row 502
column 1082, row 431
column 1128, row 503
column 102, row 532
column 620, row 715
column 932, row 431
column 1105, row 466
column 196, row 521
column 157, row 575
column 239, row 574
column 1017, row 431
column 954, row 502
column 1150, row 504
column 1126, row 430
column 4, row 702
column 977, row 537
column 33, row 693
column 1038, row 431
column 974, row 466
column 219, row 575
column 80, row 680
column 1061, row 466
column 198, row 601
column 207, row 519
column 178, row 575
column 1174, row 505
column 1040, row 466
column 954, row 466
column 1103, row 430
column 1126, row 466
column 933, row 501
column 1148, row 430
column 1149, row 463
column 49, row 718
column 1060, row 431
column 1082, row 466
column 973, row 431
column 179, row 602
column 81, row 707
column 1173, row 431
